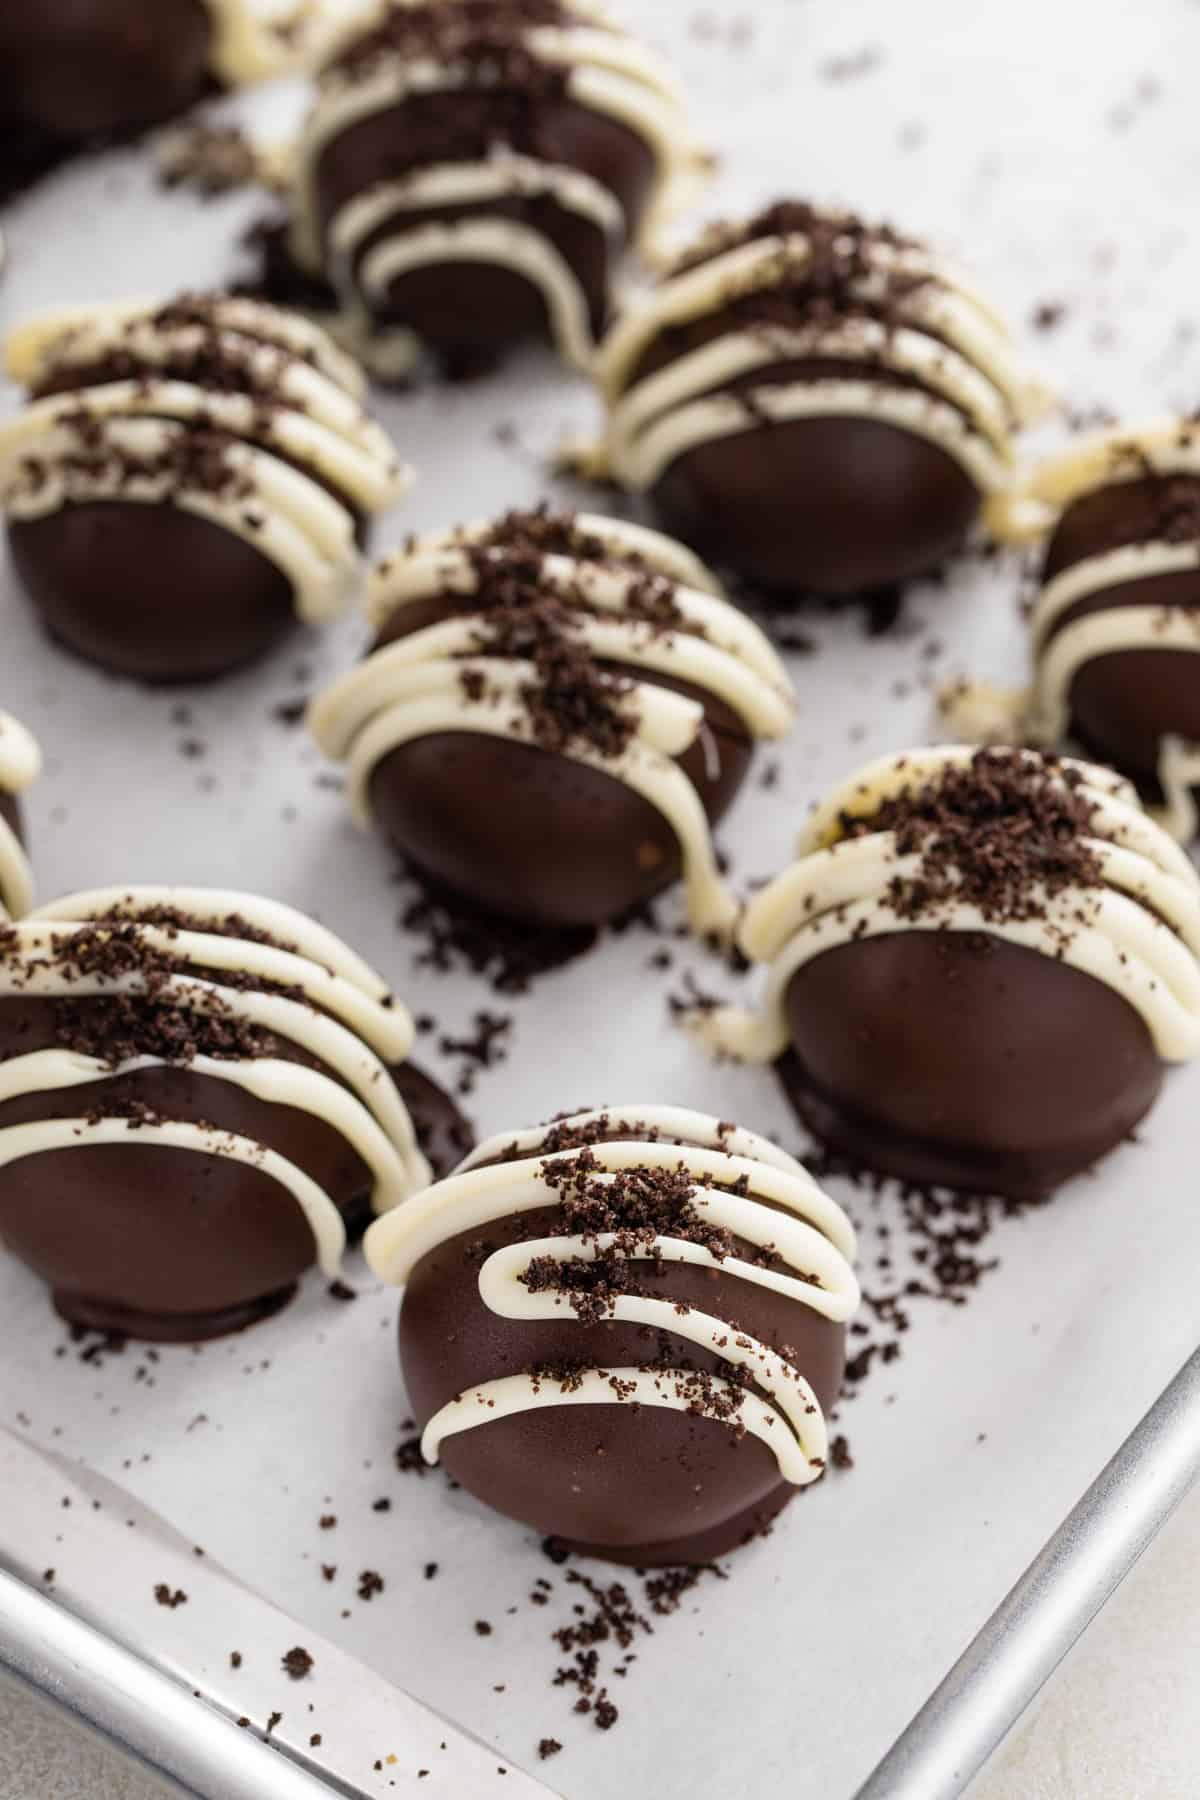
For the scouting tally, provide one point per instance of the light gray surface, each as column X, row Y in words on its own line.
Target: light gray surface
column 43, row 1756
column 980, row 126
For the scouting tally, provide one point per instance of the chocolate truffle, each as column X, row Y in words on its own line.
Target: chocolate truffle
column 472, row 170
column 556, row 709
column 980, row 966
column 625, row 1329
column 201, row 1094
column 815, row 403
column 1116, row 625
column 188, row 481
column 75, row 71
column 20, row 766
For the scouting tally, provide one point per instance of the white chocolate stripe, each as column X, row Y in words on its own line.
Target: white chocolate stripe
column 1132, row 562
column 475, row 1198
column 389, row 676
column 216, row 906
column 1174, row 1027
column 858, row 869
column 364, row 472
column 667, row 722
column 1101, row 634
column 437, row 566
column 655, row 777
column 511, row 1394
column 503, row 1292
column 639, row 466
column 388, row 1031
column 16, row 875
column 502, row 175
column 46, row 1136
column 941, row 370
column 624, row 539
column 948, row 306
column 284, row 516
column 314, row 399
column 276, row 1082
column 679, row 1126
column 32, row 350
column 331, row 1043
column 835, row 1298
column 506, row 243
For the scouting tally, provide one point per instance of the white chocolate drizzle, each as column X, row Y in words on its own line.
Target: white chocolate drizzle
column 335, row 1009
column 303, row 459
column 972, row 391
column 1061, row 650
column 20, row 766
column 608, row 72
column 802, row 1228
column 1137, row 929
column 414, row 687
column 256, row 42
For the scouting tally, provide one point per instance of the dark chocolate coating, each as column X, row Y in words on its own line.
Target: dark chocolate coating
column 468, row 312
column 154, row 592
column 533, row 836
column 835, row 505
column 1122, row 705
column 643, row 1485
column 76, row 69
column 165, row 1244
column 961, row 1059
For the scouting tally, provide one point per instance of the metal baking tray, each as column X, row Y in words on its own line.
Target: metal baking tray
column 972, row 1448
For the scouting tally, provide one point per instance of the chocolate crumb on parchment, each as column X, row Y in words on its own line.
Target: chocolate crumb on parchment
column 298, row 1663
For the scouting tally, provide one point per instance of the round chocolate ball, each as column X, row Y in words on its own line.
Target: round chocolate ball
column 1124, row 703
column 76, row 69
column 556, row 712
column 957, row 1059
column 488, row 203
column 813, row 403
column 678, row 1477
column 188, row 482
column 979, row 969
column 163, row 1211
column 520, row 831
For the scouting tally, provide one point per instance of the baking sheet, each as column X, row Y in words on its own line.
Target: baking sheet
column 1059, row 183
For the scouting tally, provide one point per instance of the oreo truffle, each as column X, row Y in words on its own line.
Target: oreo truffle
column 556, row 710
column 815, row 403
column 202, row 1094
column 188, row 481
column 20, row 766
column 74, row 71
column 1116, row 624
column 979, row 969
column 625, row 1329
column 473, row 169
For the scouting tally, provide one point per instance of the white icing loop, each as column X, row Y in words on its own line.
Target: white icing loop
column 802, row 1228
column 414, row 687
column 43, row 1137
column 1137, row 929
column 300, row 471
